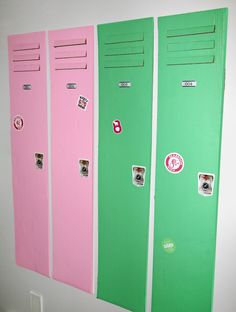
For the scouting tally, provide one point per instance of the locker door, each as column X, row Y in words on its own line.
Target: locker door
column 125, row 119
column 71, row 64
column 28, row 100
column 190, row 100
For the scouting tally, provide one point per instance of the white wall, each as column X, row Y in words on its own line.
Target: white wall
column 24, row 16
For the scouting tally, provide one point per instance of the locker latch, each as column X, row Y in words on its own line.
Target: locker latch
column 84, row 167
column 138, row 175
column 39, row 160
column 205, row 184
column 27, row 86
column 71, row 85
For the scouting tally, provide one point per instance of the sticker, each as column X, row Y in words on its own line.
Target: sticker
column 39, row 160
column 206, row 183
column 27, row 86
column 138, row 175
column 169, row 245
column 125, row 84
column 117, row 128
column 174, row 163
column 18, row 123
column 71, row 85
column 83, row 102
column 189, row 83
column 84, row 170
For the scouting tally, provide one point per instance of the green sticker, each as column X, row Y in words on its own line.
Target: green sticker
column 169, row 245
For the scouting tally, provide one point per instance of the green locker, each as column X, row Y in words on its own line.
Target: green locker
column 190, row 104
column 125, row 127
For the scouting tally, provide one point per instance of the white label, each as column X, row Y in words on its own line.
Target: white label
column 206, row 183
column 189, row 83
column 138, row 175
column 125, row 84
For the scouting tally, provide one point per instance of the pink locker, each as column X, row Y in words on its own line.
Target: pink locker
column 28, row 97
column 72, row 75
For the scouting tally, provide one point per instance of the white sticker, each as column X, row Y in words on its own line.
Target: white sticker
column 174, row 163
column 39, row 160
column 84, row 167
column 189, row 83
column 83, row 102
column 206, row 183
column 138, row 175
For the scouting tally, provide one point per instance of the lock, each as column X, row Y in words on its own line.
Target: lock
column 84, row 167
column 138, row 175
column 39, row 160
column 206, row 184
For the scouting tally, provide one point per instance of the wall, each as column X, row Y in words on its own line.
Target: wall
column 31, row 15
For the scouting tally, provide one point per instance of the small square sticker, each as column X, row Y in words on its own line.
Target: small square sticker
column 83, row 102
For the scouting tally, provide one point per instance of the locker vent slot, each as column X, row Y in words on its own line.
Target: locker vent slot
column 26, row 46
column 70, row 54
column 191, row 31
column 26, row 57
column 70, row 66
column 119, row 38
column 124, row 50
column 26, row 67
column 124, row 63
column 69, row 50
column 190, row 60
column 70, row 42
column 189, row 46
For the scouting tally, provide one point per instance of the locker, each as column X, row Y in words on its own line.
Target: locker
column 72, row 75
column 192, row 51
column 28, row 104
column 125, row 124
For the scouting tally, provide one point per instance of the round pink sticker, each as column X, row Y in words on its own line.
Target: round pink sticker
column 174, row 163
column 18, row 123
